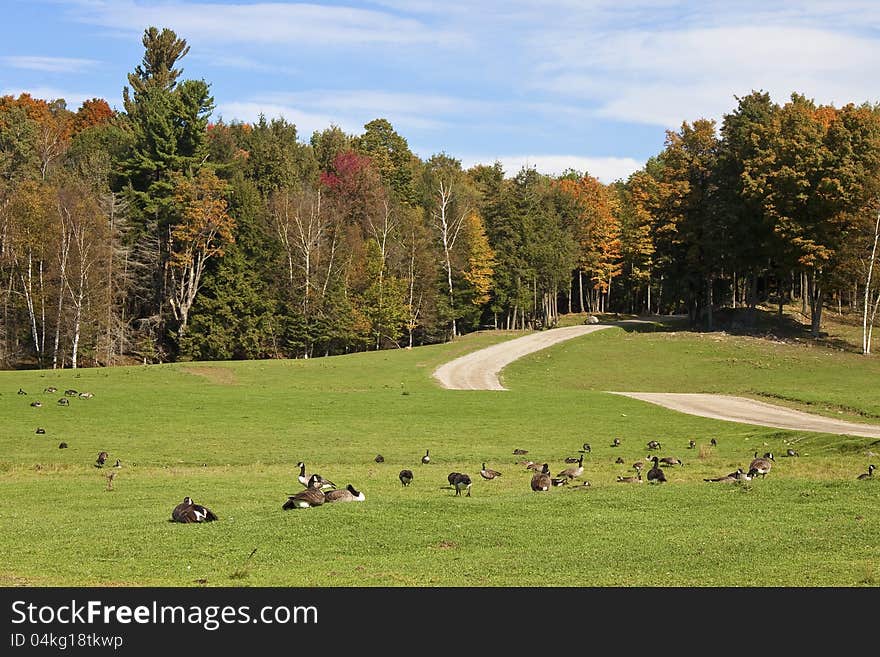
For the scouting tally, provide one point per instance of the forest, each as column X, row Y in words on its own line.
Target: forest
column 154, row 233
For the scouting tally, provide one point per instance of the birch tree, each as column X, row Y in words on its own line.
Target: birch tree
column 204, row 229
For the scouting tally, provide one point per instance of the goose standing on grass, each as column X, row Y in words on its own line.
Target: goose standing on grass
column 761, row 465
column 488, row 473
column 541, row 481
column 426, row 458
column 36, row 404
column 692, row 444
column 40, row 430
column 869, row 474
column 379, row 458
column 655, row 474
column 21, row 392
column 574, row 471
column 310, row 497
column 102, row 458
column 188, row 511
column 347, row 494
column 586, row 449
column 619, row 460
column 406, row 477
column 653, row 444
column 615, row 442
column 460, row 481
column 713, row 442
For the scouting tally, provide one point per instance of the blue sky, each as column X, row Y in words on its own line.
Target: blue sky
column 586, row 84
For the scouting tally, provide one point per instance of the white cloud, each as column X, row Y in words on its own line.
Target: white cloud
column 48, row 64
column 306, row 122
column 606, row 169
column 263, row 23
column 72, row 99
column 663, row 78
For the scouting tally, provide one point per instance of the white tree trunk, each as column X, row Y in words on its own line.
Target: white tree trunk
column 866, row 333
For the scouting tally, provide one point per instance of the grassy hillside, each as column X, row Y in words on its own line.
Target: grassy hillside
column 230, row 434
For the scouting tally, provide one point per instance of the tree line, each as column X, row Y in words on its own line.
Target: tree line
column 154, row 233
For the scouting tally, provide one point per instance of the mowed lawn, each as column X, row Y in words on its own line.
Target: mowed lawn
column 230, row 434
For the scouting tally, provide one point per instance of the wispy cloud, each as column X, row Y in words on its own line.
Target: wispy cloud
column 351, row 109
column 606, row 169
column 663, row 78
column 291, row 23
column 73, row 99
column 48, row 64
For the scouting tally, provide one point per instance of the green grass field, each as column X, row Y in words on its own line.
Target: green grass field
column 230, row 434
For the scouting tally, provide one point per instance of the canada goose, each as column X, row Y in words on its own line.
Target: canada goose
column 488, row 473
column 36, row 404
column 631, row 480
column 653, row 444
column 533, row 466
column 21, row 392
column 615, row 442
column 761, row 465
column 571, row 459
column 188, row 511
column 40, row 430
column 62, row 445
column 869, row 474
column 347, row 494
column 405, row 476
column 561, row 481
column 520, row 452
column 304, row 478
column 379, row 458
column 655, row 474
column 110, row 477
column 573, row 472
column 727, row 479
column 619, row 460
column 102, row 457
column 71, row 392
column 713, row 442
column 541, row 480
column 790, row 452
column 586, row 449
column 460, row 481
column 118, row 464
column 671, row 460
column 86, row 395
column 426, row 459
column 64, row 401
column 638, row 466
column 50, row 389
column 739, row 475
column 311, row 496
column 692, row 444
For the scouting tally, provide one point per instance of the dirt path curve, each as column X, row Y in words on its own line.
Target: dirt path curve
column 479, row 370
column 749, row 411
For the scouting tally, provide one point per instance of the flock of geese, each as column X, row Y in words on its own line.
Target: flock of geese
column 319, row 490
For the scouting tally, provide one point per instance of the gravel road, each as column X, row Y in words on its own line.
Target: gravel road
column 479, row 370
